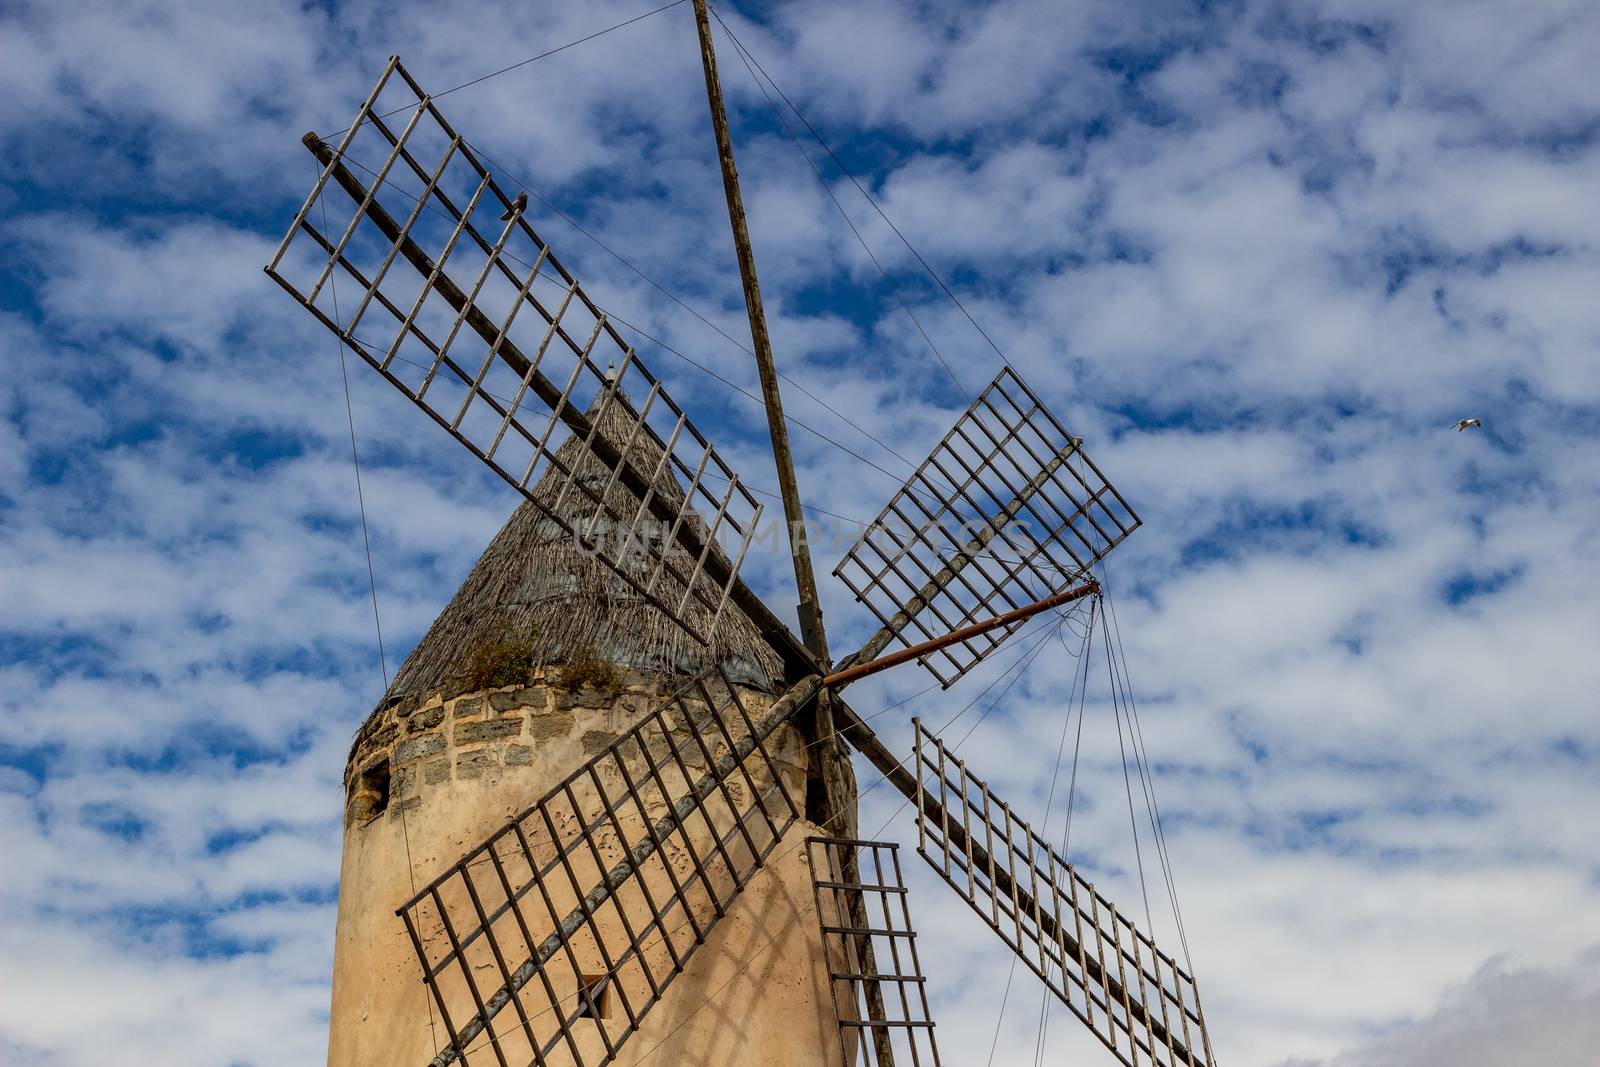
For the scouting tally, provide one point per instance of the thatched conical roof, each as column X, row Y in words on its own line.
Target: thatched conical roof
column 532, row 585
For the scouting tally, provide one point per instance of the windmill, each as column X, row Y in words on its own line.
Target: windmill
column 554, row 932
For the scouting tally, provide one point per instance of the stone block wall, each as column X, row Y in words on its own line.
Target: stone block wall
column 420, row 744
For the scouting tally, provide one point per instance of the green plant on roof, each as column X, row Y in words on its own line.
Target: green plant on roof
column 493, row 664
column 586, row 668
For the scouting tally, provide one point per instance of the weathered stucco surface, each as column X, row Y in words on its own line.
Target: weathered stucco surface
column 755, row 993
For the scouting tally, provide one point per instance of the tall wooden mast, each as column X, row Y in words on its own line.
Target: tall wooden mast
column 804, row 575
column 831, row 801
column 834, row 803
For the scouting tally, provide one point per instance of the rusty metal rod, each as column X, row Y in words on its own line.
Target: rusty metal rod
column 861, row 670
column 936, row 585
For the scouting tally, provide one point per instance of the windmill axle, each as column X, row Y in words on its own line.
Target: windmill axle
column 861, row 670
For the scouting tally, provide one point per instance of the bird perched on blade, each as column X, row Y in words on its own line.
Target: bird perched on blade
column 1465, row 424
column 517, row 207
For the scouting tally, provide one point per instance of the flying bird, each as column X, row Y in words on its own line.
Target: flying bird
column 516, row 208
column 1468, row 423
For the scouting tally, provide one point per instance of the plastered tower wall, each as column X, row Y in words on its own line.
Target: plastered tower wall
column 457, row 769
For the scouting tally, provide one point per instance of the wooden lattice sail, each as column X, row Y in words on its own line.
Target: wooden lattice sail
column 1110, row 974
column 880, row 996
column 603, row 889
column 1005, row 509
column 514, row 361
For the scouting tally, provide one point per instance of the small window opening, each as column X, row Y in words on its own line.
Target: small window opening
column 598, row 987
column 372, row 791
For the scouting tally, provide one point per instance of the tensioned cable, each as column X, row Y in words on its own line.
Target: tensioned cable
column 744, row 57
column 1083, row 657
column 535, row 59
column 1081, row 666
column 1147, row 776
column 1001, row 1018
column 1127, row 781
column 1066, row 835
column 1149, row 785
column 372, row 578
column 1043, row 1031
column 869, row 198
column 355, row 460
column 1083, row 700
column 1146, row 770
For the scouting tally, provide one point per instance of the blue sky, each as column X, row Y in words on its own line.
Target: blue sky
column 1260, row 256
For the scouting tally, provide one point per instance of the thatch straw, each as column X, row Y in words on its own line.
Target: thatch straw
column 534, row 587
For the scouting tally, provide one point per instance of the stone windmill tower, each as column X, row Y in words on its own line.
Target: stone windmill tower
column 542, row 661
column 604, row 813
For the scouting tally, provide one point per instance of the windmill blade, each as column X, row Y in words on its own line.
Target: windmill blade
column 516, row 362
column 1131, row 995
column 1005, row 506
column 586, row 905
column 866, row 931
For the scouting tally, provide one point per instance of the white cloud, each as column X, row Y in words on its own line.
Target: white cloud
column 1502, row 1014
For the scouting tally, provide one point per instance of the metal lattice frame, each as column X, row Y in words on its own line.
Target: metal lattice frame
column 880, row 996
column 516, row 362
column 584, row 907
column 1131, row 995
column 1006, row 509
